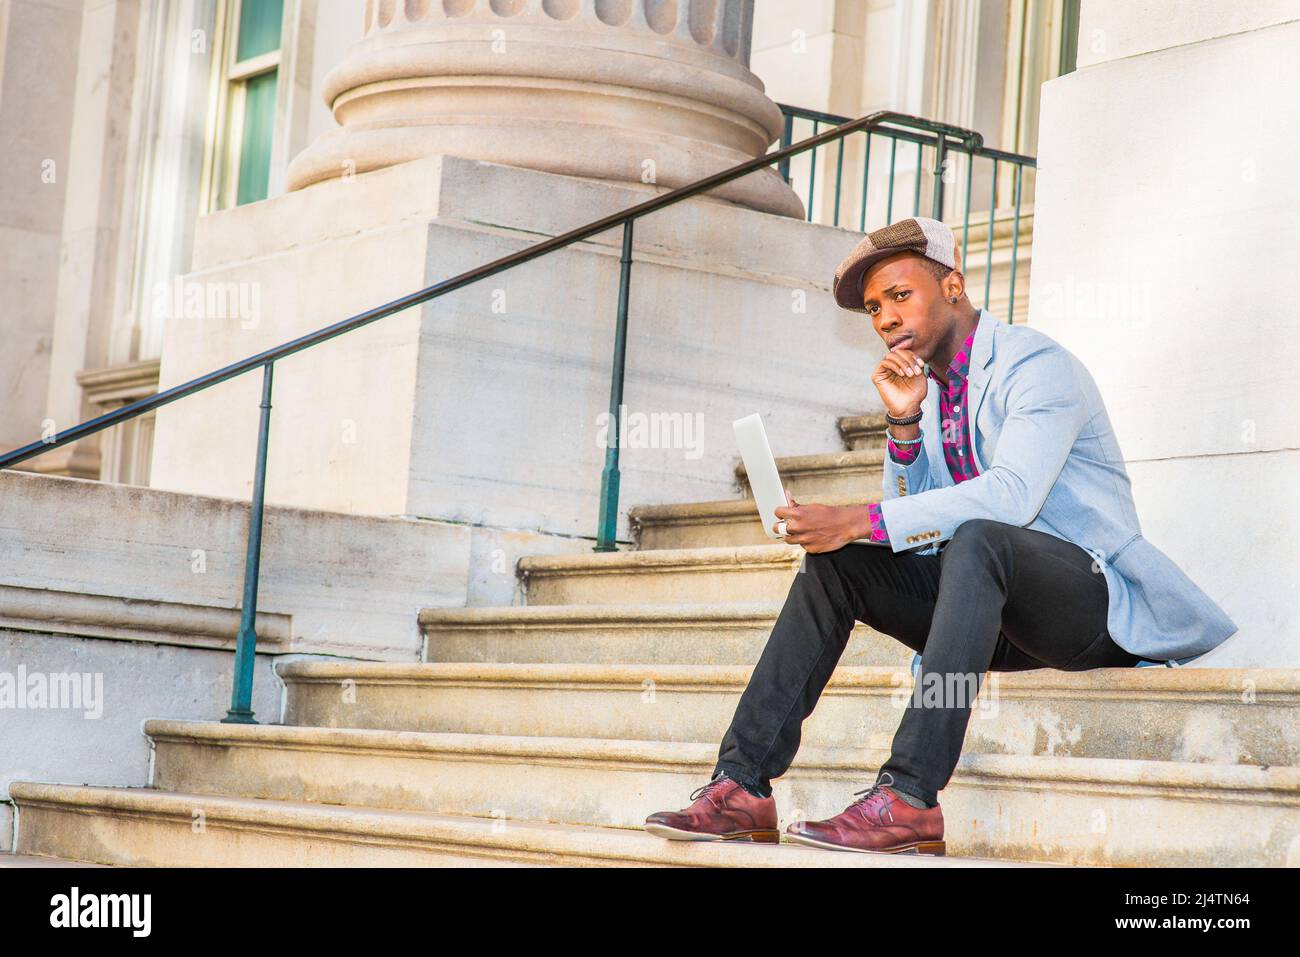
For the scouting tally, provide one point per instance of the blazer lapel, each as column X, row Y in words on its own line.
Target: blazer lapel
column 977, row 377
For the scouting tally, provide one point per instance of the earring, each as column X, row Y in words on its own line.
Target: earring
column 952, row 299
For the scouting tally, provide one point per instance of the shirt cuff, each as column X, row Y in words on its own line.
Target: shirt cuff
column 878, row 533
column 903, row 454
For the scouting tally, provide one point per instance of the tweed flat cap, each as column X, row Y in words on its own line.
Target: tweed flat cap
column 929, row 237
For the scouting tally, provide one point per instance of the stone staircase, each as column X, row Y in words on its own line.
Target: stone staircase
column 545, row 733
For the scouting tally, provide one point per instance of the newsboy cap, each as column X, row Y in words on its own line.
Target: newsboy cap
column 929, row 237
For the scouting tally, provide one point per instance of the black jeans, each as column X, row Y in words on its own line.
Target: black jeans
column 997, row 597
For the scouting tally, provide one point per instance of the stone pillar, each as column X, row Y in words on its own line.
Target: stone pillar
column 38, row 85
column 488, row 406
column 1164, row 243
column 92, row 230
column 635, row 91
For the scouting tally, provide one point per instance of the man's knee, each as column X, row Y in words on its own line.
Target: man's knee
column 976, row 536
column 817, row 564
column 823, row 571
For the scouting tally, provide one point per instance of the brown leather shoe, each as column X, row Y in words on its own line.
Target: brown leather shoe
column 879, row 822
column 722, row 811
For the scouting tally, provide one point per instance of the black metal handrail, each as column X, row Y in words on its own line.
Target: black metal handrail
column 241, row 695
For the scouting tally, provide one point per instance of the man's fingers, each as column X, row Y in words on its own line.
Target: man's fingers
column 907, row 356
column 895, row 366
column 790, row 531
column 905, row 366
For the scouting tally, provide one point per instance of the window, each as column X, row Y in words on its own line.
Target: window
column 1069, row 36
column 246, row 67
column 1042, row 43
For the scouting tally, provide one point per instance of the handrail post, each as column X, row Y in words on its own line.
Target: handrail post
column 1015, row 247
column 241, row 694
column 787, row 137
column 607, row 521
column 940, row 157
column 988, row 251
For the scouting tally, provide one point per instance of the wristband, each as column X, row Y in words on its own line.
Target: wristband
column 906, row 420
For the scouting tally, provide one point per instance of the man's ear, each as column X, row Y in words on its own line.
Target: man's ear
column 954, row 284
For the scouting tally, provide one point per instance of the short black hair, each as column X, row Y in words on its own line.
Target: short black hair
column 938, row 270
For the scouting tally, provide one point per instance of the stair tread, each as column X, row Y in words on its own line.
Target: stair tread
column 862, row 421
column 492, row 836
column 1135, row 680
column 825, row 461
column 1280, row 781
column 704, row 555
column 10, row 859
column 729, row 507
column 613, row 611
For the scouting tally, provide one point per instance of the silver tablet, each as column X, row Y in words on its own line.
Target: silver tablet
column 764, row 479
column 760, row 469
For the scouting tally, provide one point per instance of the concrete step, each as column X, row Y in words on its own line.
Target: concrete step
column 723, row 633
column 9, row 859
column 143, row 827
column 1157, row 714
column 1099, row 811
column 864, row 433
column 713, row 524
column 662, row 576
column 844, row 473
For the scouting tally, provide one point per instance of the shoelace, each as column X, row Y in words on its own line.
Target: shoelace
column 708, row 788
column 872, row 798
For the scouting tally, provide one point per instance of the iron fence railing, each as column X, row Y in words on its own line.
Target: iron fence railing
column 860, row 183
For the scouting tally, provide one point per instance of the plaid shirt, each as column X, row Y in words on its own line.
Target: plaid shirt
column 956, row 432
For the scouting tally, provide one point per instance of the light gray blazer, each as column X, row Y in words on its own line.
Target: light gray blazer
column 1053, row 464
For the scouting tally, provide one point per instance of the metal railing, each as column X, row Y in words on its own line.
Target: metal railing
column 947, row 148
column 240, row 710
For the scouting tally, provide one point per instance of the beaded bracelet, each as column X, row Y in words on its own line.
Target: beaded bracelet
column 920, row 434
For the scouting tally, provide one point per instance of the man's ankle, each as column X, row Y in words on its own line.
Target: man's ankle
column 749, row 789
column 911, row 799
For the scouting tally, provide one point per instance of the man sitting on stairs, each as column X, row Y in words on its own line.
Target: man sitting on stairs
column 1007, row 539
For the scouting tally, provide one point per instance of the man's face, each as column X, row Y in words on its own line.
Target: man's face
column 905, row 303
